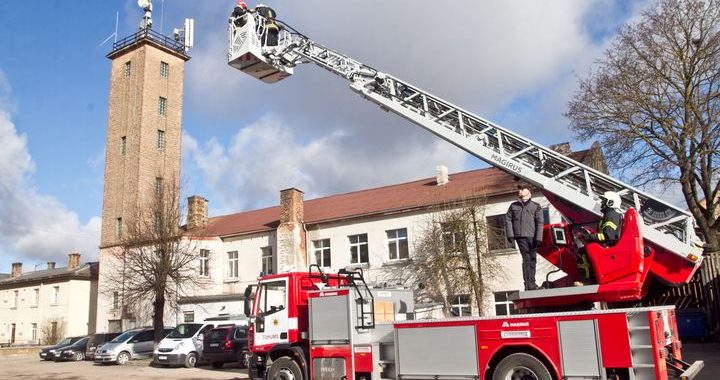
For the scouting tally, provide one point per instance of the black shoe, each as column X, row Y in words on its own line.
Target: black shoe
column 532, row 286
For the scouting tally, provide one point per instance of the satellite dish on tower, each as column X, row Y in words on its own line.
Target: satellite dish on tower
column 144, row 4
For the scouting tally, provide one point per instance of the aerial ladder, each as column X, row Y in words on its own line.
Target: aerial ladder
column 658, row 240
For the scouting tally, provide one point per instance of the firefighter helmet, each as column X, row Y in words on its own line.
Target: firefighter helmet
column 611, row 199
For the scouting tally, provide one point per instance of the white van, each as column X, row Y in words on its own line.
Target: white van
column 183, row 346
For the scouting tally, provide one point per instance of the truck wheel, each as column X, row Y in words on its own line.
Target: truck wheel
column 521, row 366
column 284, row 368
column 123, row 358
column 190, row 360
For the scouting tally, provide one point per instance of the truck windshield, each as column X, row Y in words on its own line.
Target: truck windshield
column 272, row 297
column 185, row 330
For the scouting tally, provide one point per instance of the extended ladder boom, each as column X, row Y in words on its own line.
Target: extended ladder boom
column 572, row 187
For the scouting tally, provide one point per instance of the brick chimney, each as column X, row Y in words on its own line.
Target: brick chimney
column 73, row 260
column 16, row 270
column 51, row 265
column 441, row 175
column 197, row 212
column 291, row 250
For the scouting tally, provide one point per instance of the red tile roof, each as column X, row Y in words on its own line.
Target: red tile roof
column 382, row 200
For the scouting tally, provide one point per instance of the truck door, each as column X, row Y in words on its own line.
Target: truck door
column 271, row 326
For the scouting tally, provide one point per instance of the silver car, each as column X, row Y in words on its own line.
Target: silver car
column 132, row 344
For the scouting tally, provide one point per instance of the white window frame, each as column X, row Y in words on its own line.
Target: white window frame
column 233, row 259
column 505, row 304
column 460, row 304
column 36, row 297
column 164, row 69
column 162, row 106
column 189, row 313
column 204, row 269
column 321, row 248
column 266, row 258
column 116, row 300
column 508, row 246
column 16, row 299
column 33, row 332
column 456, row 239
column 358, row 247
column 56, row 295
column 395, row 240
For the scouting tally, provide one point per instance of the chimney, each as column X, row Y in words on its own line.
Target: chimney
column 51, row 265
column 441, row 175
column 16, row 270
column 74, row 260
column 197, row 212
column 291, row 250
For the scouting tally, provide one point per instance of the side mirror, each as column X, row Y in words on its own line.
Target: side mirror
column 249, row 296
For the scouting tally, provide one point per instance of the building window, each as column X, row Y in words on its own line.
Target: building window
column 322, row 252
column 116, row 300
column 397, row 244
column 496, row 234
column 503, row 305
column 36, row 297
column 204, row 263
column 158, row 186
column 123, row 145
column 128, row 67
column 162, row 106
column 118, row 227
column 267, row 260
column 460, row 305
column 453, row 239
column 16, row 298
column 160, row 140
column 56, row 295
column 164, row 69
column 188, row 316
column 33, row 334
column 358, row 249
column 232, row 265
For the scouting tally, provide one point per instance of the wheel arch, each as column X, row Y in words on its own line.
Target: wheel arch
column 298, row 353
column 505, row 351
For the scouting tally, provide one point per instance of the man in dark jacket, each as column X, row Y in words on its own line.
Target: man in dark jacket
column 524, row 225
column 271, row 31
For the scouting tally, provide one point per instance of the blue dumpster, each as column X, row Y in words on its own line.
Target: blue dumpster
column 691, row 323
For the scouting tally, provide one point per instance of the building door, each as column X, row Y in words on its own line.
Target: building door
column 12, row 335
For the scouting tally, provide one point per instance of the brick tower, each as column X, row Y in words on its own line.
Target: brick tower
column 142, row 153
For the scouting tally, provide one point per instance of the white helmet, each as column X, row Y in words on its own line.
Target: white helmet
column 611, row 199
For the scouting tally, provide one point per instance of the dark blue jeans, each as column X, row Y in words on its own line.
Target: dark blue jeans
column 528, row 251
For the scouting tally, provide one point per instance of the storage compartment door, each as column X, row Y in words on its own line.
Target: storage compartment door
column 580, row 349
column 437, row 352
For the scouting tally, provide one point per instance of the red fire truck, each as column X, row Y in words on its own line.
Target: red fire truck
column 314, row 325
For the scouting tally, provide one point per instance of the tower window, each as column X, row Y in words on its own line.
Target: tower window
column 118, row 227
column 164, row 69
column 162, row 106
column 160, row 140
column 158, row 186
column 123, row 145
column 128, row 66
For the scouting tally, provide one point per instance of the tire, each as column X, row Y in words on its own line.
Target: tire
column 79, row 356
column 190, row 360
column 123, row 358
column 521, row 366
column 217, row 364
column 284, row 368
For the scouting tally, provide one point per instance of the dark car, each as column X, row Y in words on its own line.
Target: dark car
column 226, row 344
column 97, row 340
column 48, row 353
column 75, row 351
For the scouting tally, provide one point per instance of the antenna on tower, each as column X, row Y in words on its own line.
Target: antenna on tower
column 114, row 34
column 146, row 6
column 187, row 34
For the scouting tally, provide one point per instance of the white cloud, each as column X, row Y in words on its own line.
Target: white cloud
column 269, row 155
column 33, row 226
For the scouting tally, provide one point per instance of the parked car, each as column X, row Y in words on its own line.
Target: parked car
column 75, row 351
column 48, row 353
column 226, row 344
column 183, row 346
column 132, row 344
column 97, row 340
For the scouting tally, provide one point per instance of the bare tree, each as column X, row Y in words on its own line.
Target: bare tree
column 653, row 101
column 158, row 261
column 52, row 330
column 452, row 256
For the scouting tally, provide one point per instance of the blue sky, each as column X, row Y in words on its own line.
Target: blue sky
column 514, row 62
